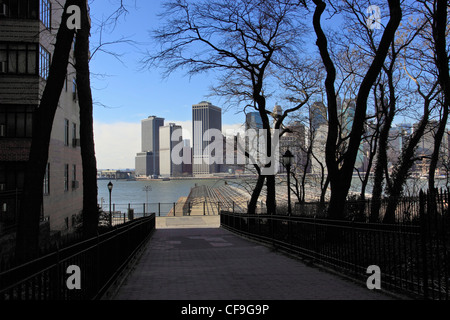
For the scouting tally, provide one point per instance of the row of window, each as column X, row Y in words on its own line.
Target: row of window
column 24, row 58
column 27, row 9
column 70, row 178
column 12, row 177
column 17, row 122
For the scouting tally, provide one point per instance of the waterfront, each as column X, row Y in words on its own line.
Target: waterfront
column 164, row 194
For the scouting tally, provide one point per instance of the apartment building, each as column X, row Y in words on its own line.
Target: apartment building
column 28, row 31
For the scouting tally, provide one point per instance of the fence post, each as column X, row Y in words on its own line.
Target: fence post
column 174, row 213
column 58, row 275
column 315, row 237
column 354, row 246
column 423, row 230
column 159, row 209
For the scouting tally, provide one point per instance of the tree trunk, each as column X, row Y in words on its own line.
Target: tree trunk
column 271, row 193
column 442, row 61
column 255, row 194
column 402, row 169
column 27, row 241
column 341, row 174
column 381, row 163
column 90, row 209
column 437, row 146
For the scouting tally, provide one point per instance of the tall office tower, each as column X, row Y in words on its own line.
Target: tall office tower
column 205, row 117
column 317, row 115
column 167, row 166
column 27, row 38
column 347, row 115
column 253, row 121
column 277, row 111
column 147, row 161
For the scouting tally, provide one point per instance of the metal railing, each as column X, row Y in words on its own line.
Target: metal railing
column 122, row 212
column 100, row 261
column 413, row 257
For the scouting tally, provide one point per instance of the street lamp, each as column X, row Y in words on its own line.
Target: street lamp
column 110, row 187
column 287, row 162
column 147, row 189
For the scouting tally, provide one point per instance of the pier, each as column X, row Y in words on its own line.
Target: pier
column 208, row 201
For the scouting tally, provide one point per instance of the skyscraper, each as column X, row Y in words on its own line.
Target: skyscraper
column 317, row 115
column 168, row 167
column 147, row 161
column 253, row 121
column 277, row 112
column 205, row 118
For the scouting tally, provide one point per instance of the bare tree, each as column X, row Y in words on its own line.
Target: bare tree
column 439, row 22
column 82, row 57
column 341, row 174
column 27, row 240
column 420, row 67
column 247, row 41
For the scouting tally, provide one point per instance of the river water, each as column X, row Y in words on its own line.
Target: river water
column 164, row 193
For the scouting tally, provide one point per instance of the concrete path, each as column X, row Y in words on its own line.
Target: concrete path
column 190, row 222
column 215, row 264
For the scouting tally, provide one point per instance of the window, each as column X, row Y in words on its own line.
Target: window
column 44, row 62
column 22, row 9
column 12, row 176
column 66, row 132
column 74, row 177
column 74, row 89
column 47, row 180
column 74, row 135
column 45, row 13
column 66, row 177
column 16, row 121
column 19, row 58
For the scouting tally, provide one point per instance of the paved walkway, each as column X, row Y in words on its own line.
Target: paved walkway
column 215, row 264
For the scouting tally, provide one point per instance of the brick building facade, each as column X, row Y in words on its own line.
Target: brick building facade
column 28, row 31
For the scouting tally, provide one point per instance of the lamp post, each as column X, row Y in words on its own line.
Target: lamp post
column 110, row 187
column 147, row 189
column 287, row 161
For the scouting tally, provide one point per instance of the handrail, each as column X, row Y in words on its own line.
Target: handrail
column 101, row 259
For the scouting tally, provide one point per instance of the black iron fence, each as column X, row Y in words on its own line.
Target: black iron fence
column 407, row 209
column 82, row 271
column 413, row 256
column 123, row 212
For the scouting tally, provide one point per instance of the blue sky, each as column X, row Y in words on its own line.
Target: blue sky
column 125, row 94
column 131, row 93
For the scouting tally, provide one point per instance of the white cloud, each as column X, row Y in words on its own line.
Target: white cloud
column 116, row 144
